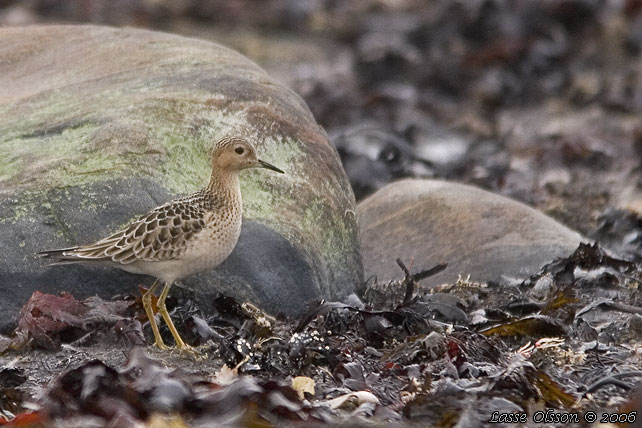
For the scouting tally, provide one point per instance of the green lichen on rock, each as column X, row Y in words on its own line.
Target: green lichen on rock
column 128, row 121
column 56, row 159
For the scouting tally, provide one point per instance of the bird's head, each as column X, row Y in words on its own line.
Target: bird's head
column 233, row 154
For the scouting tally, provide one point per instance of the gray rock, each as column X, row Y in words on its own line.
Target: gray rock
column 99, row 125
column 476, row 232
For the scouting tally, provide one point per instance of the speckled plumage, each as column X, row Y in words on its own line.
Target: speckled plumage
column 182, row 237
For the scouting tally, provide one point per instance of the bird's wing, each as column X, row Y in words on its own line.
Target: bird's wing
column 162, row 234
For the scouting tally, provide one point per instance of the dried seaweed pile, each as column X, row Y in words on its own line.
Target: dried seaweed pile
column 566, row 340
column 536, row 100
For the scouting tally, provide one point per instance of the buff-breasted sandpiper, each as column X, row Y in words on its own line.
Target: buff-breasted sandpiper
column 180, row 238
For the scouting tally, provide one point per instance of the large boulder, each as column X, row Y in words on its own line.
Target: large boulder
column 476, row 232
column 98, row 125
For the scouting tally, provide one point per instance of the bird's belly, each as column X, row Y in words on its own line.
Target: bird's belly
column 207, row 253
column 208, row 249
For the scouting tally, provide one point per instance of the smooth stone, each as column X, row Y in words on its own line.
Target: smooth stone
column 99, row 125
column 478, row 233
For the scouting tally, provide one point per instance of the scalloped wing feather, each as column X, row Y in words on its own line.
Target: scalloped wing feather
column 162, row 234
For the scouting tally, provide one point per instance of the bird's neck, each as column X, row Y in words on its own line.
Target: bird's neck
column 225, row 186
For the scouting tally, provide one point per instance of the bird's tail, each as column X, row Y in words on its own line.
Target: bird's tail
column 63, row 256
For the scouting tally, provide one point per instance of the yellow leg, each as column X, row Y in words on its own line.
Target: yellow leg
column 147, row 304
column 163, row 311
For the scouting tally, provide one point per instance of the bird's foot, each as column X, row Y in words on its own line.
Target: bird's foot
column 161, row 345
column 196, row 353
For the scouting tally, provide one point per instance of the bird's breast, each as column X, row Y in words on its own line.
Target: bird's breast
column 212, row 245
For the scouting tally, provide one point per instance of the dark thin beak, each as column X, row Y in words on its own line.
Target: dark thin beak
column 270, row 166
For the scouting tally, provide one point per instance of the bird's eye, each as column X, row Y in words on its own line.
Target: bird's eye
column 239, row 150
